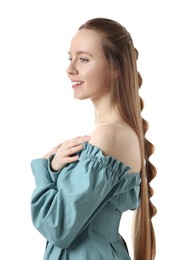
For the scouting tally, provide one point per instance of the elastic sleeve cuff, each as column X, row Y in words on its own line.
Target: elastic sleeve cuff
column 53, row 174
column 40, row 171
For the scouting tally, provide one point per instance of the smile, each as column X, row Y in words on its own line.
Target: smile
column 77, row 83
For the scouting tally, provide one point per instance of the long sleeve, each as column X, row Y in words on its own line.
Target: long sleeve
column 61, row 209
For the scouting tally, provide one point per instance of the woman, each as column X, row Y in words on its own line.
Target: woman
column 85, row 184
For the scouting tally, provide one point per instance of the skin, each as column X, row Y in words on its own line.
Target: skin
column 89, row 66
column 90, row 76
column 64, row 151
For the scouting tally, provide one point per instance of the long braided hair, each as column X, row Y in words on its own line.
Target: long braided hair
column 122, row 57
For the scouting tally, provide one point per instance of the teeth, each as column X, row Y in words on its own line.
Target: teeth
column 77, row 83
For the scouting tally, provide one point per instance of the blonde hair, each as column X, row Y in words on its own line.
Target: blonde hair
column 122, row 59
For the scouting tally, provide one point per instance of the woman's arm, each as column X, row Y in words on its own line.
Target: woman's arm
column 61, row 210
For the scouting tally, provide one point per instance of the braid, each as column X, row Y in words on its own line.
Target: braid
column 145, row 234
column 149, row 149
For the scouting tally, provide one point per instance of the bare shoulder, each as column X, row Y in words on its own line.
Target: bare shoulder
column 120, row 141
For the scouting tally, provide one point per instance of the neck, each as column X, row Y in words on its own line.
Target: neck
column 104, row 112
column 106, row 116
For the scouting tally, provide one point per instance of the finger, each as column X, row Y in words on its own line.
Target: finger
column 75, row 141
column 74, row 149
column 72, row 159
column 66, row 152
column 57, row 146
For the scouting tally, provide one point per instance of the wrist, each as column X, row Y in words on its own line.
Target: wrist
column 52, row 166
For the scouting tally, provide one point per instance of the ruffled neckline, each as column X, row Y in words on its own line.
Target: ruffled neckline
column 94, row 153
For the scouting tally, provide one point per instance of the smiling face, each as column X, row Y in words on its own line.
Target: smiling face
column 88, row 69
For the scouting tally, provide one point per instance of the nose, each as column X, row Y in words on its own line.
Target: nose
column 71, row 69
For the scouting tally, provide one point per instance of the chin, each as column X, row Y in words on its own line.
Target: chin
column 81, row 97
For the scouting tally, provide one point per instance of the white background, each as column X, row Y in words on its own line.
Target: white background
column 37, row 110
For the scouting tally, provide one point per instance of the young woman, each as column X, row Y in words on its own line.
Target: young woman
column 85, row 184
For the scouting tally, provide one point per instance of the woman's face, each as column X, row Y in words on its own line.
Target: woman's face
column 88, row 69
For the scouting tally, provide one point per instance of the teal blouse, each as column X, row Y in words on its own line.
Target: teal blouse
column 78, row 209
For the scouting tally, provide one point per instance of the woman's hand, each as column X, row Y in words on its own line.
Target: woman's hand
column 64, row 152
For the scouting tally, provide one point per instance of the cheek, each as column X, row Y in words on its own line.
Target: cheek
column 100, row 73
column 97, row 75
column 100, row 83
column 103, row 76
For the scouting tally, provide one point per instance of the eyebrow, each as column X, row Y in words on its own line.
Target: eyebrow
column 82, row 52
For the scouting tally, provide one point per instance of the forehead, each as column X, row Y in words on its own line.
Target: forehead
column 86, row 40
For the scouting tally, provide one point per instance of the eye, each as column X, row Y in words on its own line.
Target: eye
column 83, row 60
column 69, row 59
